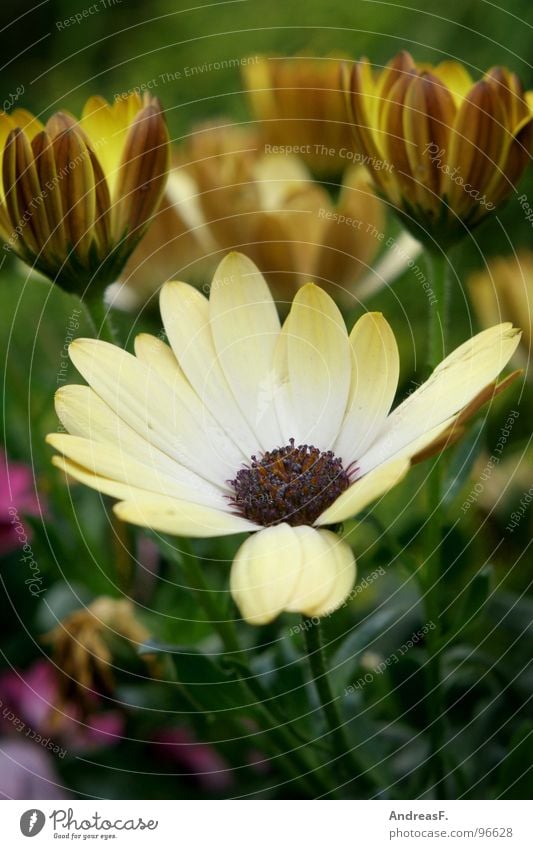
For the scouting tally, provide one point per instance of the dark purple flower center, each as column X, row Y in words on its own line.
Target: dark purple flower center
column 293, row 484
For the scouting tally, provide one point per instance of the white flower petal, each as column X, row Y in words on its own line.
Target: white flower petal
column 172, row 419
column 265, row 570
column 314, row 358
column 372, row 458
column 107, row 486
column 327, row 572
column 453, row 384
column 245, row 327
column 298, row 569
column 110, row 462
column 363, row 491
column 375, row 371
column 170, row 516
column 185, row 313
column 84, row 414
column 155, row 354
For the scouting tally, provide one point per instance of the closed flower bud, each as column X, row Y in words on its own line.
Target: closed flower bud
column 78, row 195
column 445, row 151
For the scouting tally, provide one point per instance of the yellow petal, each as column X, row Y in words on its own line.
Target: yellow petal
column 453, row 384
column 114, row 462
column 327, row 572
column 318, row 367
column 455, row 76
column 264, row 573
column 174, row 421
column 364, row 491
column 170, row 516
column 298, row 569
column 85, row 415
column 375, row 372
column 27, row 122
column 185, row 313
column 245, row 327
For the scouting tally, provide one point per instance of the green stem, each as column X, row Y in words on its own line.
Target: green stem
column 437, row 265
column 100, row 317
column 195, row 577
column 294, row 760
column 317, row 662
column 430, row 576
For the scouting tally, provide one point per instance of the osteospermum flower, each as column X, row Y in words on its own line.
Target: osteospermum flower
column 225, row 194
column 242, row 425
column 444, row 150
column 76, row 196
column 300, row 107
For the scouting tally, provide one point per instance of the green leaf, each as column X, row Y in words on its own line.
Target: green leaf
column 209, row 684
column 516, row 771
column 514, row 611
column 343, row 662
column 472, row 600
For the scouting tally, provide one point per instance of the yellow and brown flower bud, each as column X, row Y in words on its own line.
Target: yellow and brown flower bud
column 76, row 196
column 445, row 151
column 226, row 194
column 300, row 106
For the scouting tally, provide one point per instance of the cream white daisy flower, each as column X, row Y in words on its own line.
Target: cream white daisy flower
column 243, row 425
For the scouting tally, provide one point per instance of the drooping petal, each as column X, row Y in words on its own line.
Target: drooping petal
column 264, row 573
column 298, row 569
column 170, row 516
column 327, row 572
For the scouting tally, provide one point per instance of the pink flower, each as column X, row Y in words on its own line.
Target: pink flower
column 28, row 706
column 199, row 759
column 27, row 772
column 17, row 498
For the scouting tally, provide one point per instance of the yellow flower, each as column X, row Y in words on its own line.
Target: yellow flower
column 504, row 290
column 445, row 151
column 227, row 194
column 243, row 425
column 76, row 196
column 300, row 106
column 80, row 645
